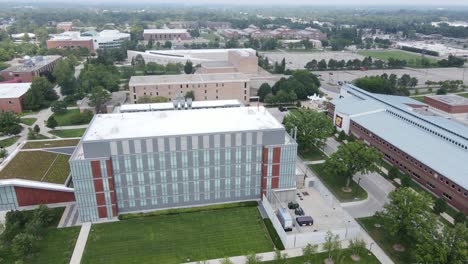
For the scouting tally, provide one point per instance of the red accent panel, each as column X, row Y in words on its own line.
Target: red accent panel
column 113, row 199
column 96, row 169
column 275, row 170
column 31, row 196
column 102, row 212
column 265, row 155
column 109, row 168
column 100, row 198
column 114, row 210
column 98, row 186
column 111, row 184
column 276, row 155
column 274, row 182
column 264, row 183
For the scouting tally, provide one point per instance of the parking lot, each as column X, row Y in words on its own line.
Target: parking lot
column 297, row 60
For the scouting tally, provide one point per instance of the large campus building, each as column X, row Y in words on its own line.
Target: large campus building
column 90, row 40
column 133, row 162
column 162, row 35
column 12, row 95
column 210, row 60
column 218, row 86
column 29, row 67
column 432, row 149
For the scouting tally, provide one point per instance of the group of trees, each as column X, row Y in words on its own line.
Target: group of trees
column 22, row 231
column 9, row 123
column 210, row 45
column 40, row 95
column 261, row 44
column 355, row 64
column 288, row 90
column 408, row 218
column 448, row 86
column 387, row 84
column 140, row 67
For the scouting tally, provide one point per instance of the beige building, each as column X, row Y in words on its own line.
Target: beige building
column 218, row 86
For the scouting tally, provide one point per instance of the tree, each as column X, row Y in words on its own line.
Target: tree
column 22, row 244
column 406, row 213
column 51, row 122
column 309, row 251
column 253, row 259
column 313, row 127
column 3, row 153
column 354, row 157
column 59, row 107
column 322, row 65
column 226, row 260
column 9, row 123
column 459, row 218
column 40, row 94
column 167, row 45
column 440, row 206
column 393, row 172
column 263, row 91
column 357, row 246
column 341, row 136
column 188, row 68
column 311, row 65
column 405, row 180
column 280, row 258
column 190, row 94
column 332, row 244
column 98, row 98
column 36, row 129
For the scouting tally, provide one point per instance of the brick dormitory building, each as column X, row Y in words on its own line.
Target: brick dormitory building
column 432, row 149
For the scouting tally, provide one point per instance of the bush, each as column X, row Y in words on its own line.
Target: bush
column 440, row 206
column 81, row 118
column 393, row 173
column 405, row 180
column 188, row 210
column 460, row 218
column 51, row 122
column 341, row 136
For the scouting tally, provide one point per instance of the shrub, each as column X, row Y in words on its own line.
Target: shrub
column 405, row 180
column 440, row 206
column 51, row 122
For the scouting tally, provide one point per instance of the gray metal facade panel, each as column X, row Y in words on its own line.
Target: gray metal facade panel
column 8, row 199
column 96, row 149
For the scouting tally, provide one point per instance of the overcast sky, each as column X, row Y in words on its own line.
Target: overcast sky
column 421, row 3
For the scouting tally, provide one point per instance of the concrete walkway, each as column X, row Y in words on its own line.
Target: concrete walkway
column 71, row 127
column 308, row 162
column 80, row 243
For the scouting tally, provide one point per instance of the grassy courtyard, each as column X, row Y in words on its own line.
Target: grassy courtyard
column 38, row 166
column 413, row 59
column 69, row 133
column 336, row 183
column 312, row 154
column 70, row 118
column 28, row 121
column 344, row 258
column 51, row 143
column 179, row 238
column 8, row 142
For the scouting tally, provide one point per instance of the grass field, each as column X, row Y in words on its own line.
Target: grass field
column 179, row 238
column 385, row 241
column 412, row 59
column 38, row 166
column 464, row 95
column 336, row 183
column 28, row 121
column 69, row 133
column 345, row 258
column 312, row 154
column 210, row 36
column 51, row 143
column 68, row 118
column 8, row 142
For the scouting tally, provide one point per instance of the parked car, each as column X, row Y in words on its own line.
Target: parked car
column 283, row 108
column 299, row 211
column 304, row 220
column 293, row 205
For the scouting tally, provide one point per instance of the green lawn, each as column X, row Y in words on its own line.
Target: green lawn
column 464, row 95
column 38, row 166
column 8, row 142
column 312, row 154
column 28, row 121
column 51, row 143
column 210, row 36
column 414, row 60
column 179, row 238
column 385, row 240
column 336, row 183
column 69, row 133
column 419, row 98
column 68, row 118
column 345, row 258
column 27, row 112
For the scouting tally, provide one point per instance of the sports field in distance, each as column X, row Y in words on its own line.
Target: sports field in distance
column 384, row 55
column 178, row 238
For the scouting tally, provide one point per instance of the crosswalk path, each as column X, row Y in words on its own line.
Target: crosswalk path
column 70, row 216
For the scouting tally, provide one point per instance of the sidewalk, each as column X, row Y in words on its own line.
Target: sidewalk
column 80, row 243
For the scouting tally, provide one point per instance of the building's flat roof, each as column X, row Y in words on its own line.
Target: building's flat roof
column 450, row 99
column 170, row 105
column 165, row 31
column 13, row 90
column 440, row 155
column 35, row 64
column 187, row 78
column 179, row 122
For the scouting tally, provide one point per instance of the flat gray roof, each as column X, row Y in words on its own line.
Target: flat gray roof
column 170, row 106
column 187, row 78
column 440, row 155
column 179, row 122
column 13, row 90
column 35, row 64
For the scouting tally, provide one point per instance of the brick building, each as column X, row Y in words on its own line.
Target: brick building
column 11, row 96
column 220, row 86
column 431, row 149
column 65, row 26
column 451, row 103
column 27, row 68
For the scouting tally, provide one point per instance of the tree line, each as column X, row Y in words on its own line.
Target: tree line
column 387, row 84
column 356, row 64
